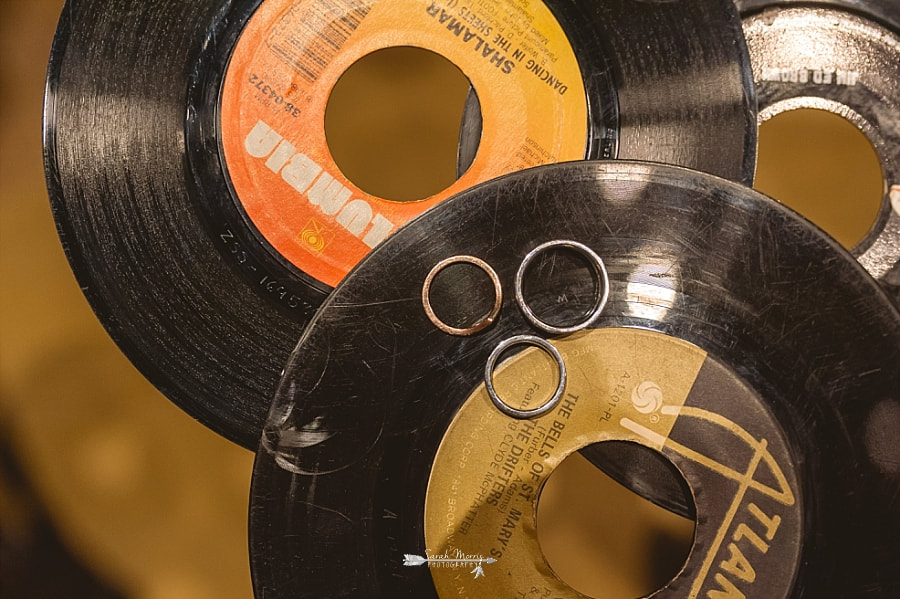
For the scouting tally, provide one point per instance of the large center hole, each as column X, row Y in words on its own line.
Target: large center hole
column 825, row 168
column 392, row 123
column 605, row 541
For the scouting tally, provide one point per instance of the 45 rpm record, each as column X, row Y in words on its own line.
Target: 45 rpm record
column 736, row 339
column 841, row 56
column 200, row 206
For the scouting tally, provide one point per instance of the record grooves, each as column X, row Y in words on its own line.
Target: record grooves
column 162, row 239
column 364, row 457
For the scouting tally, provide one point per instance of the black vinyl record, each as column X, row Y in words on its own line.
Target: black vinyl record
column 843, row 57
column 840, row 56
column 765, row 352
column 195, row 196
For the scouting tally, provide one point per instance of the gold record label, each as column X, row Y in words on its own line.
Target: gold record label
column 482, row 494
column 626, row 385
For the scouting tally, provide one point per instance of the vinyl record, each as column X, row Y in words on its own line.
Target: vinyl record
column 197, row 199
column 840, row 56
column 716, row 328
column 843, row 58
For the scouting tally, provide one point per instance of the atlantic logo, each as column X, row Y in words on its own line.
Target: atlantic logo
column 319, row 187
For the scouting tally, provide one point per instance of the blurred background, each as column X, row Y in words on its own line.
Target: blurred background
column 108, row 490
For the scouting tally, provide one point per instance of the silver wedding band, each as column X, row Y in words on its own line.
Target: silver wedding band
column 504, row 407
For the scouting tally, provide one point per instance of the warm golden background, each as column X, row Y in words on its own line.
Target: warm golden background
column 107, row 489
column 152, row 503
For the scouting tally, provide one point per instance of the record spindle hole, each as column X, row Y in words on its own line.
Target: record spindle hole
column 561, row 286
column 823, row 166
column 603, row 540
column 392, row 122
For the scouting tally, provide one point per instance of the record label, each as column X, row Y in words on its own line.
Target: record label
column 623, row 385
column 289, row 58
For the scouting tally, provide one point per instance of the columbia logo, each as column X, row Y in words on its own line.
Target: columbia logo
column 315, row 236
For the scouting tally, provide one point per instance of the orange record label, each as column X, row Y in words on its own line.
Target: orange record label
column 292, row 53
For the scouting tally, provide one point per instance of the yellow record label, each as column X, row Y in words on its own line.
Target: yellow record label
column 483, row 490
